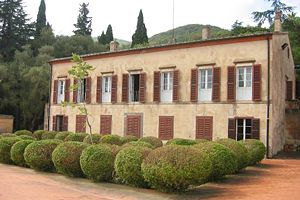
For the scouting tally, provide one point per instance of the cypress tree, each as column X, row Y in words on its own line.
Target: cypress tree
column 140, row 35
column 102, row 38
column 41, row 21
column 109, row 34
column 84, row 23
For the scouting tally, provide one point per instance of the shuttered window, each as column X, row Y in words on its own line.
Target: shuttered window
column 99, row 90
column 80, row 124
column 194, row 85
column 216, row 90
column 166, row 127
column 298, row 89
column 231, row 83
column 65, row 123
column 156, row 87
column 133, row 125
column 105, row 124
column 176, row 85
column 58, row 123
column 88, row 90
column 289, row 90
column 204, row 127
column 125, row 88
column 67, row 90
column 256, row 83
column 114, row 86
column 244, row 128
column 54, row 123
column 55, row 86
column 75, row 91
column 142, row 92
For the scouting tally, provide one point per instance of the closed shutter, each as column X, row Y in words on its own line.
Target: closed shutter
column 231, row 129
column 175, row 86
column 142, row 88
column 216, row 89
column 88, row 91
column 65, row 123
column 99, row 90
column 256, row 83
column 133, row 125
column 75, row 91
column 194, row 85
column 67, row 90
column 231, row 83
column 289, row 90
column 255, row 129
column 55, row 87
column 166, row 127
column 54, row 123
column 204, row 127
column 125, row 88
column 156, row 87
column 105, row 124
column 80, row 123
column 114, row 86
column 298, row 89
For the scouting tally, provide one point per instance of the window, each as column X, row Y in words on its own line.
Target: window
column 61, row 91
column 106, row 89
column 205, row 85
column 133, row 125
column 166, row 86
column 243, row 129
column 244, row 83
column 166, row 127
column 59, row 122
column 105, row 124
column 204, row 127
column 134, row 87
column 81, row 95
column 80, row 124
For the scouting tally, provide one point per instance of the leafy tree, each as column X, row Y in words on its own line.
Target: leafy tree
column 84, row 23
column 140, row 35
column 41, row 21
column 239, row 29
column 46, row 37
column 102, row 38
column 109, row 34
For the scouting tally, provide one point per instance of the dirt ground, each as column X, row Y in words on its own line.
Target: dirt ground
column 274, row 179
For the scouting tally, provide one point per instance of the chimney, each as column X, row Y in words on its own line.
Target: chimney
column 113, row 46
column 277, row 23
column 205, row 32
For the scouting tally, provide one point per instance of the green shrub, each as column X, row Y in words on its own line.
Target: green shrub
column 239, row 150
column 3, row 135
column 138, row 143
column 17, row 152
column 79, row 137
column 48, row 135
column 156, row 142
column 256, row 149
column 128, row 165
column 201, row 141
column 129, row 138
column 223, row 160
column 23, row 132
column 5, row 146
column 180, row 141
column 97, row 162
column 66, row 158
column 96, row 139
column 38, row 155
column 113, row 147
column 62, row 135
column 38, row 134
column 111, row 139
column 173, row 168
column 26, row 137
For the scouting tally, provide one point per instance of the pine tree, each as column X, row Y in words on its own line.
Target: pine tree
column 109, row 34
column 102, row 38
column 41, row 21
column 140, row 36
column 84, row 23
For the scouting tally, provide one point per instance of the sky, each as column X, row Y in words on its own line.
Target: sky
column 122, row 14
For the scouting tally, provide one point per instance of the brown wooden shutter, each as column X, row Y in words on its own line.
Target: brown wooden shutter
column 231, row 128
column 298, row 89
column 255, row 129
column 65, row 123
column 166, row 127
column 75, row 91
column 54, row 123
column 114, row 86
column 80, row 123
column 204, row 127
column 256, row 83
column 142, row 95
column 133, row 125
column 55, row 87
column 99, row 90
column 194, row 85
column 105, row 124
column 67, row 90
column 88, row 91
column 231, row 83
column 176, row 85
column 125, row 88
column 156, row 87
column 216, row 88
column 289, row 90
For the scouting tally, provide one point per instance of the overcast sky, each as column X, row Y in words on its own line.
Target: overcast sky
column 122, row 14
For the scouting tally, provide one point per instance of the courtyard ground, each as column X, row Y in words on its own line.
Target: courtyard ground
column 274, row 179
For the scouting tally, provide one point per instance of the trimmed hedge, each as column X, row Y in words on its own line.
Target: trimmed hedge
column 239, row 150
column 199, row 141
column 138, row 143
column 96, row 139
column 223, row 160
column 66, row 158
column 62, row 135
column 5, row 147
column 26, row 137
column 17, row 152
column 156, row 142
column 79, row 137
column 173, row 168
column 97, row 162
column 180, row 141
column 38, row 155
column 111, row 139
column 3, row 135
column 128, row 165
column 113, row 147
column 23, row 132
column 47, row 135
column 129, row 138
column 256, row 149
column 38, row 134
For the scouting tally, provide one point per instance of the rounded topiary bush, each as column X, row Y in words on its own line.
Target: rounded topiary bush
column 129, row 138
column 66, row 158
column 256, row 149
column 223, row 160
column 180, row 141
column 17, row 152
column 62, row 135
column 173, row 168
column 113, row 147
column 5, row 147
column 95, row 137
column 79, row 137
column 49, row 135
column 23, row 132
column 138, row 143
column 128, row 165
column 3, row 135
column 111, row 139
column 97, row 162
column 201, row 141
column 38, row 154
column 156, row 142
column 26, row 137
column 38, row 134
column 239, row 150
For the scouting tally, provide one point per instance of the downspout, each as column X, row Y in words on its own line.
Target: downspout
column 268, row 101
column 49, row 102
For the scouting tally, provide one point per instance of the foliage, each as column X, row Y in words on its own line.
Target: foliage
column 62, row 135
column 140, row 36
column 129, row 138
column 41, row 20
column 102, row 39
column 49, row 135
column 79, row 137
column 96, row 138
column 38, row 155
column 27, row 137
column 23, row 132
column 84, row 22
column 239, row 29
column 111, row 139
column 38, row 134
column 66, row 158
column 109, row 34
column 156, row 142
column 128, row 165
column 17, row 152
column 180, row 141
column 256, row 149
column 201, row 141
column 139, row 144
column 173, row 168
column 5, row 146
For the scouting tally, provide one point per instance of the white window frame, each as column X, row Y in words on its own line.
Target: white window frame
column 81, row 91
column 205, row 91
column 244, row 91
column 166, row 86
column 61, row 90
column 106, row 89
column 244, row 128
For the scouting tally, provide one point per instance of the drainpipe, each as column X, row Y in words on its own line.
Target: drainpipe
column 268, row 100
column 49, row 102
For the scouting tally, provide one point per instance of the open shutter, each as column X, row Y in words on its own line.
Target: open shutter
column 255, row 129
column 216, row 84
column 289, row 90
column 231, row 129
column 75, row 91
column 231, row 83
column 125, row 88
column 156, row 87
column 114, row 86
column 99, row 90
column 55, row 87
column 67, row 90
column 54, row 123
column 256, row 83
column 88, row 90
column 142, row 88
column 175, row 85
column 194, row 85
column 298, row 89
column 65, row 123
